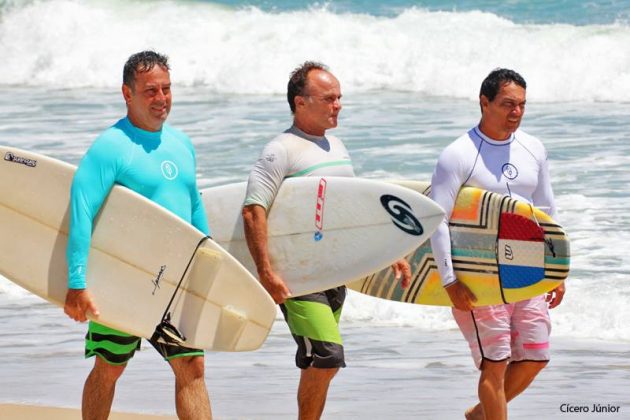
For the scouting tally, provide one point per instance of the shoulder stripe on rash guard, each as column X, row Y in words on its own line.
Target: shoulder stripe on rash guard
column 319, row 166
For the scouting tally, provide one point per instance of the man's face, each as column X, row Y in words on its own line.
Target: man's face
column 149, row 102
column 322, row 100
column 503, row 114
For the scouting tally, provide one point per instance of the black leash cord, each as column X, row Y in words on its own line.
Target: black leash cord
column 164, row 316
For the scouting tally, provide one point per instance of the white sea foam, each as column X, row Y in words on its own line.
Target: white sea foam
column 84, row 43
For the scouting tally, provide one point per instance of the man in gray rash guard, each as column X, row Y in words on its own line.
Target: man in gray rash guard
column 304, row 149
column 509, row 343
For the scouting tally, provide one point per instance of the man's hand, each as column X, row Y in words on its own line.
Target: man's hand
column 275, row 286
column 78, row 303
column 461, row 296
column 402, row 269
column 255, row 226
column 554, row 298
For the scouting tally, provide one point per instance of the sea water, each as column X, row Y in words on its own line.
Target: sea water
column 410, row 75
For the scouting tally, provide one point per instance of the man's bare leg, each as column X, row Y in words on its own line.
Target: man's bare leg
column 99, row 388
column 518, row 377
column 191, row 394
column 491, row 390
column 312, row 392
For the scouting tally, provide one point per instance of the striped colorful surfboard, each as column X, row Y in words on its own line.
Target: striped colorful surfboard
column 505, row 250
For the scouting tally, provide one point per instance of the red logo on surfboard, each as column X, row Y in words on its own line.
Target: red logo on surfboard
column 319, row 206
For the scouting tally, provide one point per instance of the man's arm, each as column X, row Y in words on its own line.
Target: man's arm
column 402, row 272
column 78, row 303
column 255, row 223
column 198, row 217
column 91, row 184
column 262, row 186
column 446, row 182
column 543, row 198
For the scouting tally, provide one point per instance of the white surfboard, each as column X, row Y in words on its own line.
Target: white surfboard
column 325, row 231
column 139, row 253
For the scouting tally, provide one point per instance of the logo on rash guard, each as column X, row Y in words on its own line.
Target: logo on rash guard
column 509, row 171
column 402, row 215
column 169, row 170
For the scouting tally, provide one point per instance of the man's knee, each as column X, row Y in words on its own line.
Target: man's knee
column 325, row 373
column 533, row 367
column 319, row 376
column 106, row 371
column 189, row 368
column 494, row 371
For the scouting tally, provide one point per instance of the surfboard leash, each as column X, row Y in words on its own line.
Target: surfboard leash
column 165, row 330
column 547, row 241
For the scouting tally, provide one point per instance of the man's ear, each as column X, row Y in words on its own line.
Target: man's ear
column 126, row 91
column 299, row 101
column 483, row 102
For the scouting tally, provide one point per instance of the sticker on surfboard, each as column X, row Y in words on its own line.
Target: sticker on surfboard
column 520, row 251
column 319, row 210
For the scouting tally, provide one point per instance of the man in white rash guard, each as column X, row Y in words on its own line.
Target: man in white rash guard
column 510, row 342
column 305, row 149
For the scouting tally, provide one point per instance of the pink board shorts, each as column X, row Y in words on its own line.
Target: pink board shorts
column 515, row 331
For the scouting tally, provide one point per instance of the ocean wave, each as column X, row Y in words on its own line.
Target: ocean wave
column 74, row 44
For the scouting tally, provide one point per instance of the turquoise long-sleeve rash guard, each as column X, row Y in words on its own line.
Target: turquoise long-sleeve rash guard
column 158, row 165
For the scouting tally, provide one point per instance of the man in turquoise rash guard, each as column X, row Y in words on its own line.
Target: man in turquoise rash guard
column 148, row 156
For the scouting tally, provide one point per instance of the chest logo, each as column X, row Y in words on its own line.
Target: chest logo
column 509, row 171
column 402, row 215
column 169, row 170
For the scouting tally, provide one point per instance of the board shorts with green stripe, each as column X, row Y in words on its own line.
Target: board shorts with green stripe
column 117, row 347
column 314, row 323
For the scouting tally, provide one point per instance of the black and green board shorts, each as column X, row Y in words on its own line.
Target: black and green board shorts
column 117, row 347
column 314, row 323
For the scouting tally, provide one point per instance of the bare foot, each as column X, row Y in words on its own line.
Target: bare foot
column 474, row 413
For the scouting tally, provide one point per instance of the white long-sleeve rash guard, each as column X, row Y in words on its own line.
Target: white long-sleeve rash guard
column 516, row 167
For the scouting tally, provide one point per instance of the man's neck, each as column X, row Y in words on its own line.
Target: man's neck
column 307, row 129
column 139, row 125
column 494, row 134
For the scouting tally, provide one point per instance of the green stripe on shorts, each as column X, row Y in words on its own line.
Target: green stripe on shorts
column 115, row 346
column 313, row 320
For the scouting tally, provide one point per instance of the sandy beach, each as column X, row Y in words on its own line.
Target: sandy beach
column 393, row 372
column 33, row 412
